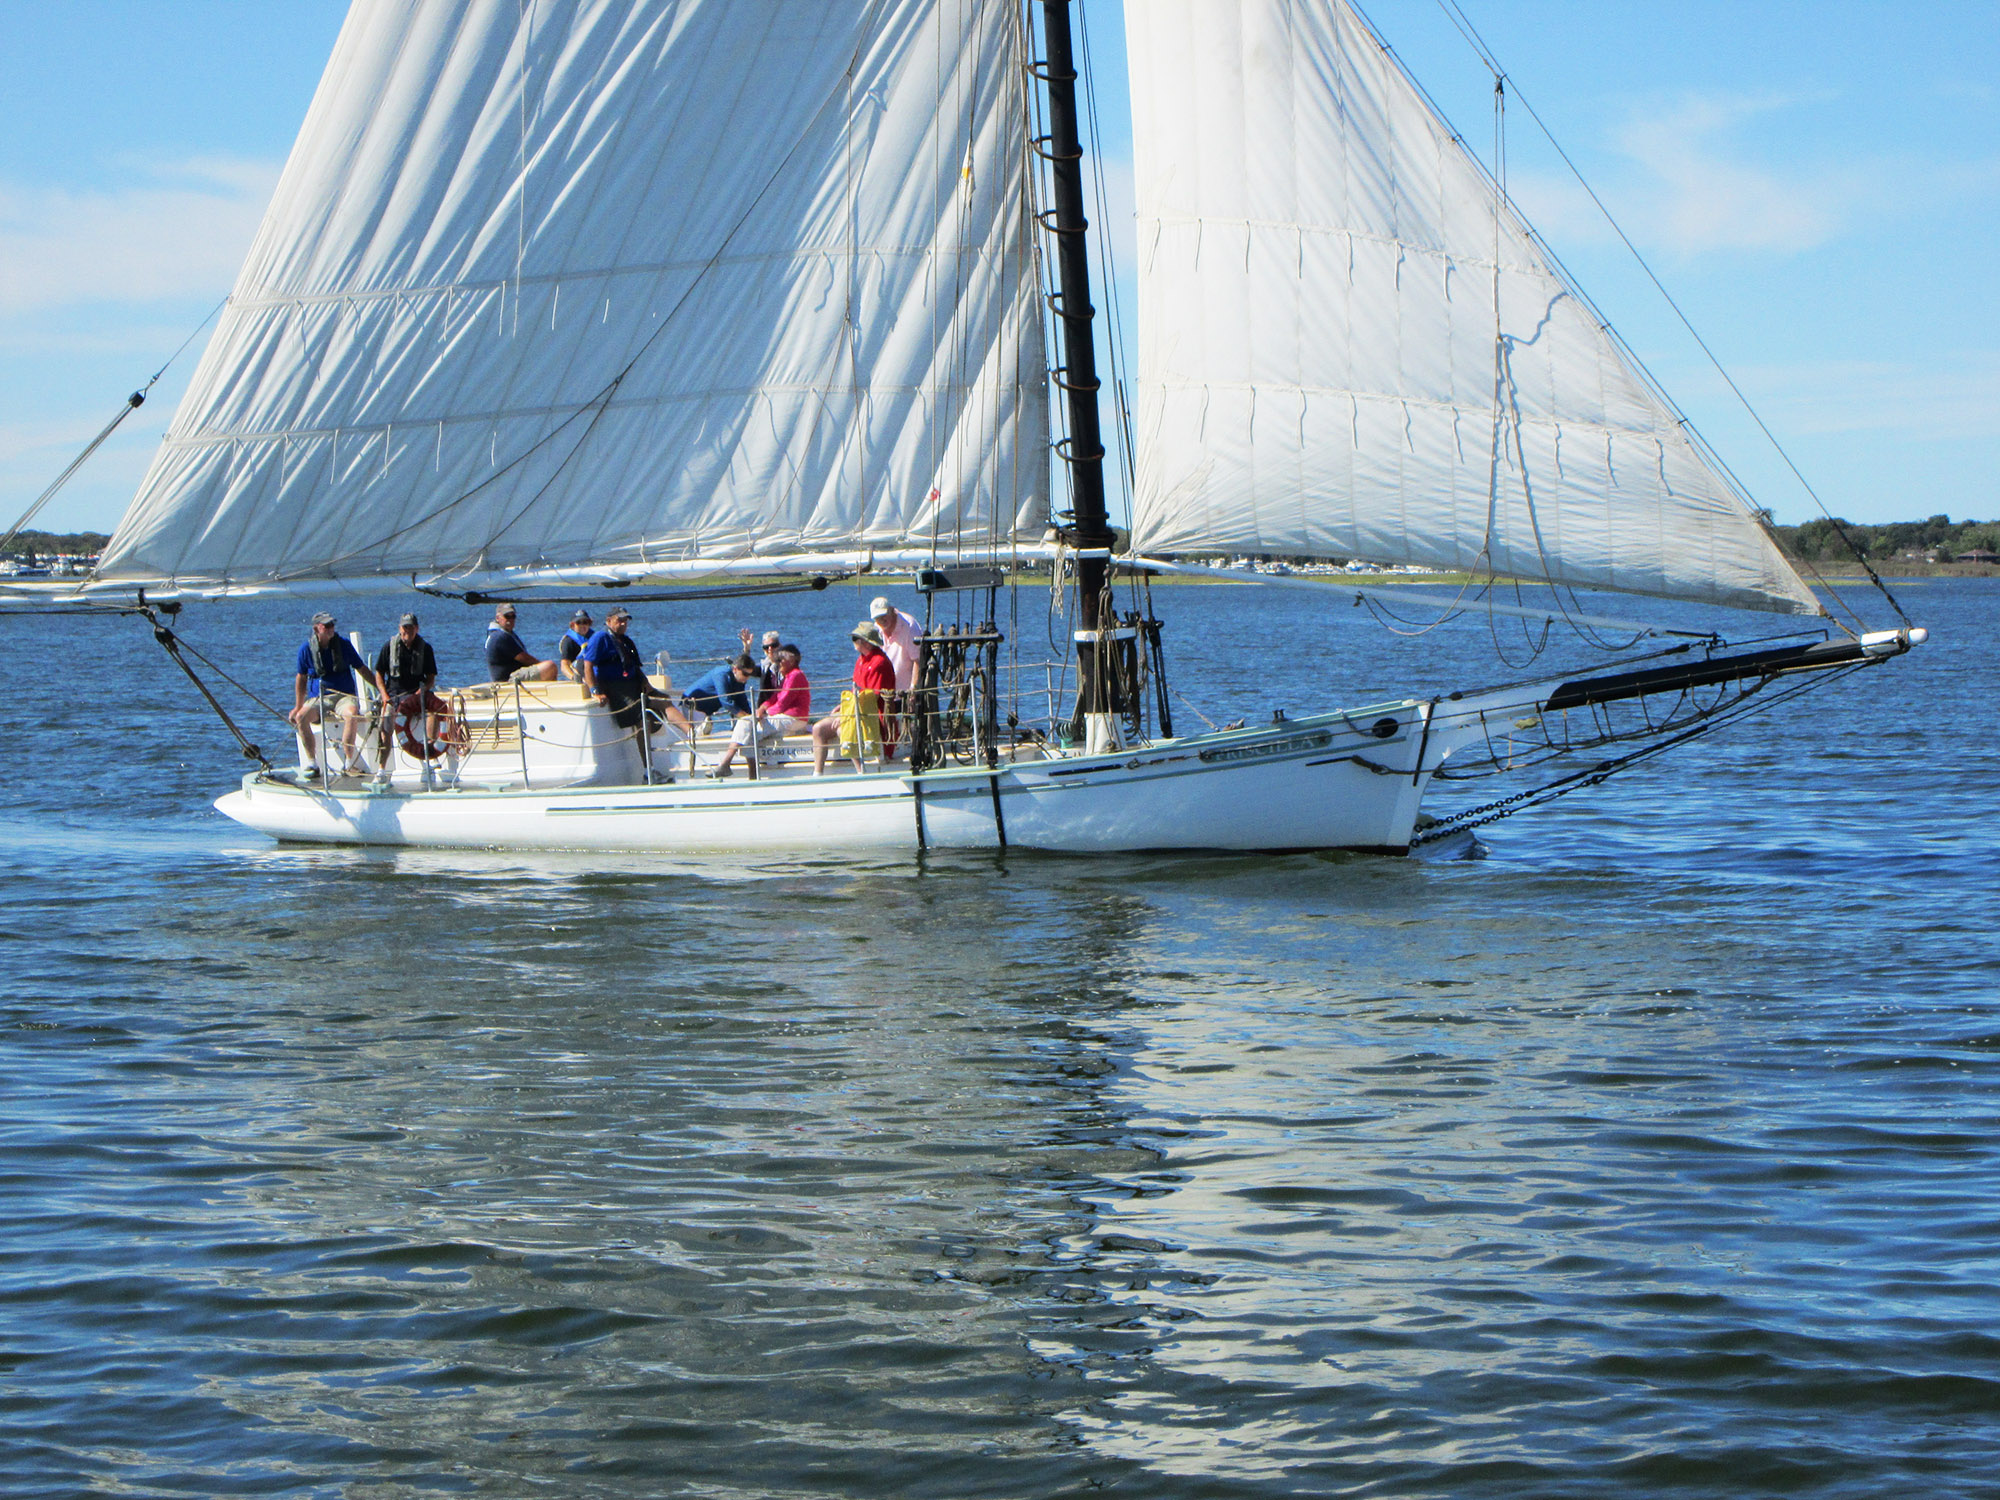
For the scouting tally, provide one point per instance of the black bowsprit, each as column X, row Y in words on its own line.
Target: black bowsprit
column 1773, row 663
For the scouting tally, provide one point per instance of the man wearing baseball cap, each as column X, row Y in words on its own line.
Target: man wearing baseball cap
column 325, row 685
column 406, row 664
column 507, row 658
column 615, row 675
column 572, row 643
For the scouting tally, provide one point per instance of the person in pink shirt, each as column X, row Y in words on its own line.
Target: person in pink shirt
column 784, row 712
column 872, row 674
column 900, row 634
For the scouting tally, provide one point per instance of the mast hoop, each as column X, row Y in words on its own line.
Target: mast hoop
column 1066, row 450
column 1060, row 373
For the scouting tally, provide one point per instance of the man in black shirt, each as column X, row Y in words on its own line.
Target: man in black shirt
column 406, row 665
column 507, row 659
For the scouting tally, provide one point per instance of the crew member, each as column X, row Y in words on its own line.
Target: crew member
column 507, row 659
column 406, row 665
column 570, row 647
column 615, row 676
column 325, row 684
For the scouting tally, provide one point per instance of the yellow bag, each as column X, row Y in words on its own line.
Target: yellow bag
column 860, row 724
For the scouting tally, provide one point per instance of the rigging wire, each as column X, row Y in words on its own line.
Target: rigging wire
column 1750, row 702
column 277, row 713
column 1456, row 14
column 132, row 403
column 172, row 644
column 1505, row 404
column 1114, row 342
column 1114, row 336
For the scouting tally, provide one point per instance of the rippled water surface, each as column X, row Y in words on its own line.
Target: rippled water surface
column 1653, row 1153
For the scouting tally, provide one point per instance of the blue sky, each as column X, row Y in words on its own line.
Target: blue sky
column 1818, row 184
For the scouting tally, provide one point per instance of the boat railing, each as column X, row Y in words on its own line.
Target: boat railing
column 968, row 707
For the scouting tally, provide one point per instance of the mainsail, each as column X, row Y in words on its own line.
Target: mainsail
column 1351, row 346
column 588, row 282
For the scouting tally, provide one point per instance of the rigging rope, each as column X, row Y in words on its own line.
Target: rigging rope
column 172, row 645
column 132, row 403
column 1466, row 29
column 1711, row 720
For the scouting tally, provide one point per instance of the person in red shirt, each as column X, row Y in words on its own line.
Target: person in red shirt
column 873, row 673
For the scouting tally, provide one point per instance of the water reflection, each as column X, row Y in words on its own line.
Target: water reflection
column 493, row 1147
column 1651, row 1152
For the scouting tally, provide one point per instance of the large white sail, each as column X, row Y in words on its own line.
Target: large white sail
column 587, row 282
column 1321, row 368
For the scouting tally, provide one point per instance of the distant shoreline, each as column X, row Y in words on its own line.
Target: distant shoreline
column 1903, row 573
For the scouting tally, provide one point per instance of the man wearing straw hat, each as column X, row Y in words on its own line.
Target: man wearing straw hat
column 873, row 678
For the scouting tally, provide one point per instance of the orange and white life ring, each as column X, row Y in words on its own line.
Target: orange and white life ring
column 412, row 709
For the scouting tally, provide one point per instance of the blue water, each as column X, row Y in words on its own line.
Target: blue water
column 1655, row 1152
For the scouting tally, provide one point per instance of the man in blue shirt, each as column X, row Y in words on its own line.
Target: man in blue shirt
column 733, row 685
column 325, row 684
column 615, row 676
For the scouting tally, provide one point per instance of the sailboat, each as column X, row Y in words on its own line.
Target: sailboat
column 575, row 299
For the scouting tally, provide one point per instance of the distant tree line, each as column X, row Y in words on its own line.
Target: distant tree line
column 1938, row 539
column 53, row 543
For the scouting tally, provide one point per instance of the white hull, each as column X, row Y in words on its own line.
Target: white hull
column 1328, row 782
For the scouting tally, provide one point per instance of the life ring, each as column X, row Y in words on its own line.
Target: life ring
column 411, row 710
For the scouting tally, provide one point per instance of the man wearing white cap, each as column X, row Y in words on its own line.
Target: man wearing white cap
column 900, row 634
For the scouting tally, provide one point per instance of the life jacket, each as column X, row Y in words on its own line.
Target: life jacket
column 628, row 653
column 406, row 662
column 326, row 657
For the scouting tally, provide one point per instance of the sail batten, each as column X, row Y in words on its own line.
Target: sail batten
column 1350, row 345
column 541, row 285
